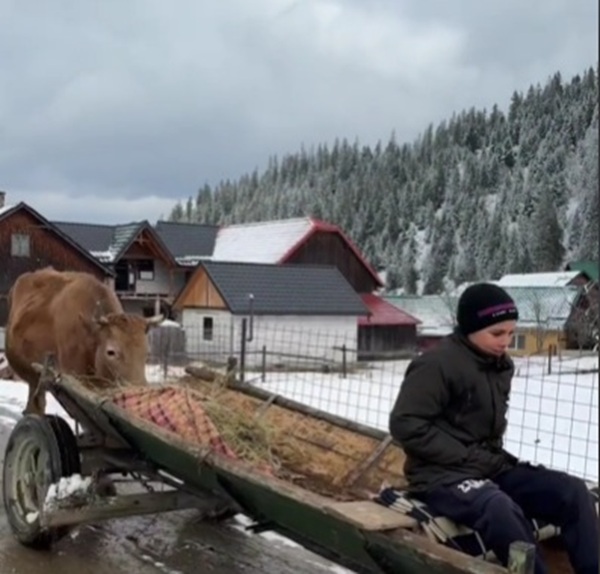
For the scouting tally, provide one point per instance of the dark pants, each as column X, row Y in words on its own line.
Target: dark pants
column 498, row 511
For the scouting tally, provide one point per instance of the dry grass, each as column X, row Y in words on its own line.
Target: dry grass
column 300, row 448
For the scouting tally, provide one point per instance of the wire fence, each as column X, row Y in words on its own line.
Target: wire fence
column 553, row 412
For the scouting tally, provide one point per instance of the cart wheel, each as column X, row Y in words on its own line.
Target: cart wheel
column 40, row 451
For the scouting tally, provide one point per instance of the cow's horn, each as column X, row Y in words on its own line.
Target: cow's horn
column 156, row 320
column 102, row 320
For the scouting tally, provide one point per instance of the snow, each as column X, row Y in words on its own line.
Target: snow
column 6, row 208
column 104, row 256
column 264, row 242
column 192, row 260
column 158, row 373
column 67, row 488
column 169, row 323
column 31, row 517
column 13, row 398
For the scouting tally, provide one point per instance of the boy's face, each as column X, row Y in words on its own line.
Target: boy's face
column 495, row 339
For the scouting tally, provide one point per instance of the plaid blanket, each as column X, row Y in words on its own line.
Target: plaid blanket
column 457, row 536
column 173, row 409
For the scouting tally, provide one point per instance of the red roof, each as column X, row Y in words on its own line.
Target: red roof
column 322, row 226
column 384, row 313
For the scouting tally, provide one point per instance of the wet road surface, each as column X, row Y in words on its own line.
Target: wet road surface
column 170, row 543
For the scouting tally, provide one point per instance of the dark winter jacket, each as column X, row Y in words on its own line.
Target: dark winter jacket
column 450, row 415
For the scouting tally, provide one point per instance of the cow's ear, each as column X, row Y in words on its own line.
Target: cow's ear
column 153, row 321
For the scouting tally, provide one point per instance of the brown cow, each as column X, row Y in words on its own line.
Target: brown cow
column 81, row 322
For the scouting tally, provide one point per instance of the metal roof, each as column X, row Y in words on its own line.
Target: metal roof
column 384, row 313
column 188, row 242
column 284, row 289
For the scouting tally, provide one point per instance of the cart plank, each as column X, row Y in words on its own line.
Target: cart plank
column 369, row 515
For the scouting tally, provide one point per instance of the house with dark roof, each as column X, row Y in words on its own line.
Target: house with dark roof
column 146, row 274
column 291, row 311
column 28, row 241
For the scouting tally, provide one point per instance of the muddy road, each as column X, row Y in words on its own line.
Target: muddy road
column 171, row 543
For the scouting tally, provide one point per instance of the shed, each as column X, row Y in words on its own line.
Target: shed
column 387, row 332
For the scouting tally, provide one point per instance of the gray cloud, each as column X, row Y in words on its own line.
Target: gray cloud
column 146, row 100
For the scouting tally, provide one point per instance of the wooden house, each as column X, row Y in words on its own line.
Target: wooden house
column 293, row 312
column 28, row 241
column 387, row 332
column 577, row 304
column 146, row 275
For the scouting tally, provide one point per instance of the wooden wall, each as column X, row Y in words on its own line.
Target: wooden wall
column 200, row 293
column 46, row 249
column 379, row 342
column 326, row 248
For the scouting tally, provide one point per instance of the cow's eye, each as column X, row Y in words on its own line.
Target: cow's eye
column 111, row 353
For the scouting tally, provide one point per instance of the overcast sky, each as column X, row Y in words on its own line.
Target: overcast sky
column 110, row 111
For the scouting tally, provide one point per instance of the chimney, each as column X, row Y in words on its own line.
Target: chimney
column 2, row 198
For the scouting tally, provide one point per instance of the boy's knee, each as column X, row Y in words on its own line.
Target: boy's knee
column 502, row 505
column 500, row 509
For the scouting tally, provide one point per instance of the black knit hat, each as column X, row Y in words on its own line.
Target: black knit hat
column 482, row 305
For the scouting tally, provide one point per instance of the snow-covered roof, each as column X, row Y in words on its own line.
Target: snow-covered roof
column 546, row 308
column 262, row 242
column 6, row 208
column 191, row 260
column 107, row 256
column 543, row 307
column 552, row 279
column 436, row 312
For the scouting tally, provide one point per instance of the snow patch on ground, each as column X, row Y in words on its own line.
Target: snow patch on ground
column 71, row 488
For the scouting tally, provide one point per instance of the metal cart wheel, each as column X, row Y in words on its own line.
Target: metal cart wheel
column 40, row 451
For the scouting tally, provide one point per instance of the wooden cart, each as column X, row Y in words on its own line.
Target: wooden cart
column 335, row 518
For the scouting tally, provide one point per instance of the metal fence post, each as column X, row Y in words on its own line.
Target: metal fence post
column 344, row 364
column 521, row 558
column 243, row 351
column 263, row 374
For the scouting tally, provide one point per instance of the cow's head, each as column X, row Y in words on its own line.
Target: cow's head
column 121, row 346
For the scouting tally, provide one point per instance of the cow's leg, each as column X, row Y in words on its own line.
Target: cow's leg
column 39, row 402
column 30, row 407
column 36, row 397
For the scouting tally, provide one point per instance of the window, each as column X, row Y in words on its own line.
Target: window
column 207, row 328
column 19, row 245
column 145, row 269
column 518, row 342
